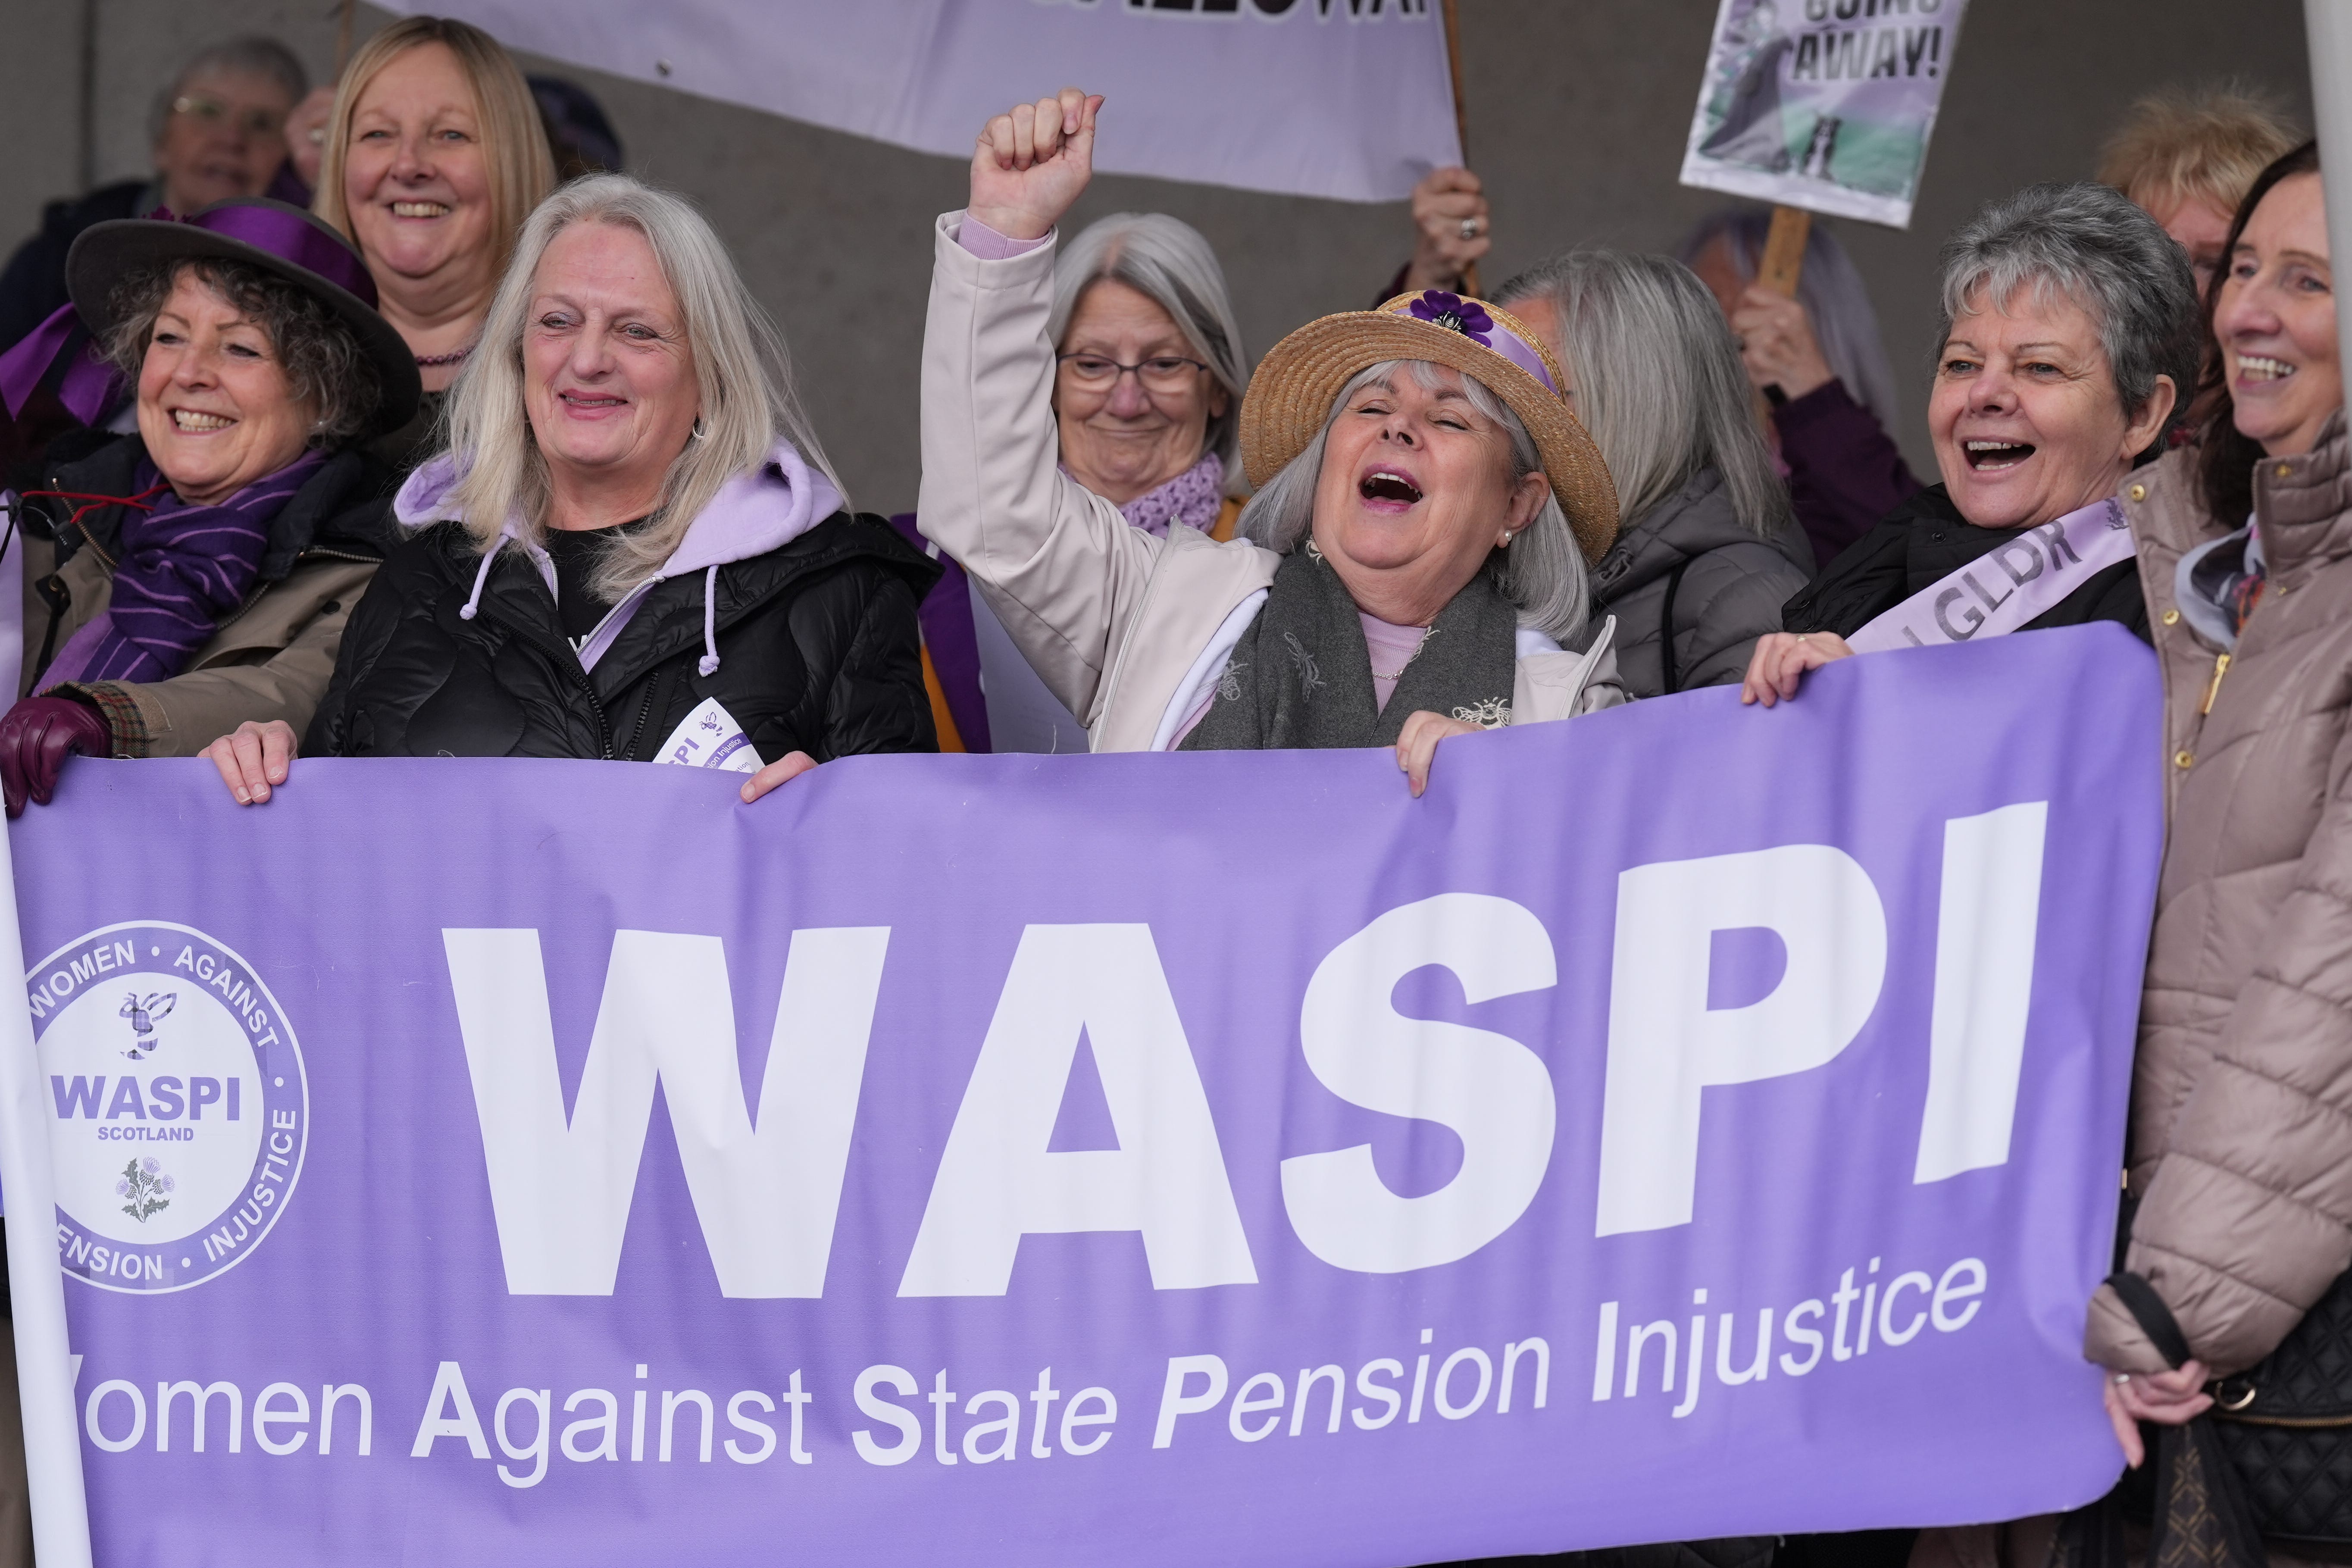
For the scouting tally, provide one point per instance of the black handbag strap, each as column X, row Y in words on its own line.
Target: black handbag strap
column 2203, row 1514
column 1671, row 679
column 2154, row 1319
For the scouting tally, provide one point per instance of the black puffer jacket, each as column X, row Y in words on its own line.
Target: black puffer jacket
column 818, row 652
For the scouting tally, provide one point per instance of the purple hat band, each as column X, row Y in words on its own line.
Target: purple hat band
column 91, row 384
column 1508, row 344
column 289, row 237
column 1470, row 319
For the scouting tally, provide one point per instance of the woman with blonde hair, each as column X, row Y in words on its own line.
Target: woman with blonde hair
column 2187, row 158
column 633, row 548
column 435, row 156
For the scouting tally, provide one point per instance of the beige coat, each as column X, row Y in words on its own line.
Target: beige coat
column 270, row 660
column 1119, row 623
column 2242, row 1097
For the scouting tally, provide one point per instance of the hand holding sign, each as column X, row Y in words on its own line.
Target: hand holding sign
column 1033, row 162
column 1776, row 342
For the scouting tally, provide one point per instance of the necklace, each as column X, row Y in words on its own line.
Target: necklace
column 426, row 362
column 1398, row 673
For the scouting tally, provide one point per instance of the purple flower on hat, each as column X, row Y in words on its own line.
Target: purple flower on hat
column 1455, row 314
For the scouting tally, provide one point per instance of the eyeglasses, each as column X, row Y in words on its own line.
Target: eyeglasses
column 212, row 111
column 1162, row 372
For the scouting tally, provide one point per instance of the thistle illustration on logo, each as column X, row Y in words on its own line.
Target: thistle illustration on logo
column 144, row 1184
column 143, row 1014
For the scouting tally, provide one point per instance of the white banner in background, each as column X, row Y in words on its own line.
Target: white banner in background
column 1345, row 98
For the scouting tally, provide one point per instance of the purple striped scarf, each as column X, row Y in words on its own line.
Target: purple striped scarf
column 181, row 569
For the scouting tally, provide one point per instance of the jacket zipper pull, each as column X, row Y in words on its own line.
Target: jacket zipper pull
column 2221, row 668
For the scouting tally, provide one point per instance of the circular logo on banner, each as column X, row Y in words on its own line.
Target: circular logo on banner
column 178, row 1109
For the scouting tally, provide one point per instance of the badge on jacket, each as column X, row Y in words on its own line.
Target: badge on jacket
column 710, row 738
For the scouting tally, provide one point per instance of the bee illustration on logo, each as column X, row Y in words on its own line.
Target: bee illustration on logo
column 145, row 1013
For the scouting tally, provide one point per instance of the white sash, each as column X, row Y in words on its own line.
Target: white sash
column 2020, row 579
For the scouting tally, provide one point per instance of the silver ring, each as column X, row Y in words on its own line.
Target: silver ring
column 2122, row 1378
column 1469, row 229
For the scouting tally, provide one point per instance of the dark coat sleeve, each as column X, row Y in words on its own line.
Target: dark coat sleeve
column 877, row 702
column 33, row 286
column 1845, row 473
column 365, row 636
column 1729, row 598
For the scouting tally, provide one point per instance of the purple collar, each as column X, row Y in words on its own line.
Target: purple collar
column 1192, row 498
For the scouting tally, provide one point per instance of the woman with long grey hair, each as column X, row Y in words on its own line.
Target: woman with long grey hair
column 1708, row 552
column 1147, row 383
column 633, row 548
column 1819, row 365
column 1411, row 567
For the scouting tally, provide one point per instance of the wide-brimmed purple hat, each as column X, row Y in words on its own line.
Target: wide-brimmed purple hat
column 282, row 240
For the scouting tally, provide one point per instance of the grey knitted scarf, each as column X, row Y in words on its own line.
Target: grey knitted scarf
column 1301, row 677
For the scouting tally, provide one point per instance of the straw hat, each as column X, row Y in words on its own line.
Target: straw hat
column 1290, row 394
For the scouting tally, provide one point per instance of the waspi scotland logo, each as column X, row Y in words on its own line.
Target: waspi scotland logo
column 179, row 1109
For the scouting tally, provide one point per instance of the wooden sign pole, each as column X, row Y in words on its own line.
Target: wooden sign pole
column 1461, row 118
column 1783, row 261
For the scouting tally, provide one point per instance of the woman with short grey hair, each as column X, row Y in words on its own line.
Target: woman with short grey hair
column 2070, row 334
column 1409, row 569
column 1149, row 380
column 1708, row 550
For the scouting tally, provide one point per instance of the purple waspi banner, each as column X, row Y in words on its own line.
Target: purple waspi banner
column 1684, row 1121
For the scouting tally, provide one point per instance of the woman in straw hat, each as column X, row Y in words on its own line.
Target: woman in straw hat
column 1413, row 566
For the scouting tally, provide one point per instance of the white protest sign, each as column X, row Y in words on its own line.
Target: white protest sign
column 1345, row 98
column 1822, row 104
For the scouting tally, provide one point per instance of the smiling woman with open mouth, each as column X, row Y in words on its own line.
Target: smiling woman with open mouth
column 2070, row 341
column 1413, row 566
column 198, row 573
column 435, row 156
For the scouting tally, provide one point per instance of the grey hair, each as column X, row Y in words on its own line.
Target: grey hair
column 1657, row 381
column 2096, row 246
column 741, row 371
column 249, row 55
column 1169, row 263
column 1832, row 290
column 1541, row 572
column 325, row 364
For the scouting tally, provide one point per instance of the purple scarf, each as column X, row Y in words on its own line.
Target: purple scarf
column 182, row 568
column 1192, row 498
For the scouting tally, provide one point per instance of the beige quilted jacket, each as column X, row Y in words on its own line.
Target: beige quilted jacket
column 2242, row 1095
column 1122, row 627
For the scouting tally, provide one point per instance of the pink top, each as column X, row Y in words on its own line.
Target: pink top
column 989, row 246
column 1391, row 648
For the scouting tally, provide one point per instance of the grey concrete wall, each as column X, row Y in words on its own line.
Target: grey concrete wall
column 1576, row 118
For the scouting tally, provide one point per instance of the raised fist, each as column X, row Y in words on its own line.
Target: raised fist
column 1033, row 162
